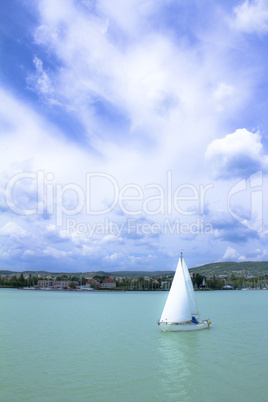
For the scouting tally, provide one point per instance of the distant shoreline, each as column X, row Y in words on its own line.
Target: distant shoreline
column 122, row 290
column 256, row 268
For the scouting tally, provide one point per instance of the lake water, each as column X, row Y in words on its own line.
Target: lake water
column 105, row 346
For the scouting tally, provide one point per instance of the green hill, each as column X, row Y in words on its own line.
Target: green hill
column 132, row 274
column 237, row 268
column 217, row 268
column 244, row 268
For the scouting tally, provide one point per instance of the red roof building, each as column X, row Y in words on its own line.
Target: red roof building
column 108, row 283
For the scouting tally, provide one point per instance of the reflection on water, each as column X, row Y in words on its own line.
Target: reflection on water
column 178, row 353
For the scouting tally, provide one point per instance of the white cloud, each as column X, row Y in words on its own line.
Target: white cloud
column 251, row 17
column 89, row 250
column 4, row 255
column 239, row 154
column 253, row 255
column 259, row 255
column 55, row 253
column 152, row 84
column 12, row 229
column 29, row 253
column 40, row 81
column 224, row 94
column 230, row 255
column 113, row 257
column 35, row 144
column 147, row 98
column 129, row 15
column 111, row 238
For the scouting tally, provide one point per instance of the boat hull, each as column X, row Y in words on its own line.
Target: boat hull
column 173, row 327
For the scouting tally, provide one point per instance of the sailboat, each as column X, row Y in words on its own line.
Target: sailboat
column 181, row 312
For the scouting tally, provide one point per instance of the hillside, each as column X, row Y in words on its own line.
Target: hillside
column 132, row 274
column 237, row 268
column 217, row 268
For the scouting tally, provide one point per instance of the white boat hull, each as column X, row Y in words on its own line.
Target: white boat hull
column 173, row 327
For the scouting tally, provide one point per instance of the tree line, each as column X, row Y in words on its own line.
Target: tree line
column 161, row 283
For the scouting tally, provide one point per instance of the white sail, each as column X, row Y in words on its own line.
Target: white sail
column 178, row 307
column 181, row 307
column 190, row 289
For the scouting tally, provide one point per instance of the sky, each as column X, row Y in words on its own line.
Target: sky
column 131, row 131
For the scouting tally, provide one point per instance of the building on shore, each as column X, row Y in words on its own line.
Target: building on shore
column 108, row 283
column 48, row 283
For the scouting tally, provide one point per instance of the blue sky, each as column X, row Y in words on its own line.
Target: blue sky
column 132, row 130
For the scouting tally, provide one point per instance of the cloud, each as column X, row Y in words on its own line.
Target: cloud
column 113, row 257
column 239, row 154
column 12, row 229
column 227, row 229
column 136, row 92
column 130, row 15
column 234, row 234
column 34, row 144
column 55, row 253
column 230, row 255
column 223, row 94
column 40, row 81
column 144, row 92
column 254, row 255
column 259, row 255
column 251, row 17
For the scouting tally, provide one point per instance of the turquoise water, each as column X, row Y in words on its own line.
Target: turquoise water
column 104, row 346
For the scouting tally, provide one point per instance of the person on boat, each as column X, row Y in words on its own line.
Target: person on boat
column 194, row 320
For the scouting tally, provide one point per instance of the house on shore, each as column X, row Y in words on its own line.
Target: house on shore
column 50, row 284
column 108, row 283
